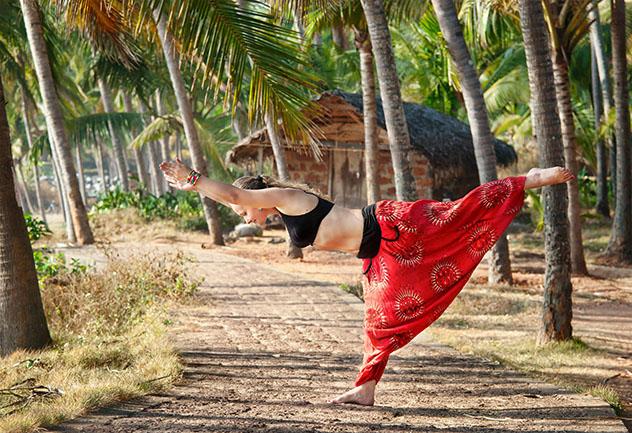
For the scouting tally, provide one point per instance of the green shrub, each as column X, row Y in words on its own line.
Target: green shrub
column 184, row 207
column 36, row 227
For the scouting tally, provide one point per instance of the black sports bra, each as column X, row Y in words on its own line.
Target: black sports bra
column 304, row 228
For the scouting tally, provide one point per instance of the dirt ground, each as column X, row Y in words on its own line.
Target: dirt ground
column 603, row 319
column 264, row 349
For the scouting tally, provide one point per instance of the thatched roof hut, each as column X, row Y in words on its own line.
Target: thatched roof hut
column 444, row 164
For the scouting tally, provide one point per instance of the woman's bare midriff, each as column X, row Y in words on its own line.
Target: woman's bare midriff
column 341, row 230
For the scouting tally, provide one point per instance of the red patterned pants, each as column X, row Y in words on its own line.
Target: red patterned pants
column 428, row 252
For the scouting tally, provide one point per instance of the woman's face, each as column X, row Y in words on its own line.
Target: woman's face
column 251, row 215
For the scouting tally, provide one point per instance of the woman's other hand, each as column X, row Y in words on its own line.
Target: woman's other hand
column 176, row 174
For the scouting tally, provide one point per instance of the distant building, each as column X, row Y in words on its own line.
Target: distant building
column 443, row 162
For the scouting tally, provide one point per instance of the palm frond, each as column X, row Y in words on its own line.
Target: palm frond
column 104, row 23
column 158, row 128
column 89, row 128
column 232, row 45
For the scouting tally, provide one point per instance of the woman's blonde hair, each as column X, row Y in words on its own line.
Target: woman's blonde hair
column 262, row 182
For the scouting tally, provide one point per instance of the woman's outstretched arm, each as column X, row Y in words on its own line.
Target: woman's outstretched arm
column 176, row 174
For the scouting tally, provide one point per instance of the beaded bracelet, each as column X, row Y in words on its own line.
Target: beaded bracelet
column 193, row 177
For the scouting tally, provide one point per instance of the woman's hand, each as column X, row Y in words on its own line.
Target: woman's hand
column 176, row 174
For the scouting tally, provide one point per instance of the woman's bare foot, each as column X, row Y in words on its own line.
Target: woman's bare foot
column 537, row 177
column 363, row 395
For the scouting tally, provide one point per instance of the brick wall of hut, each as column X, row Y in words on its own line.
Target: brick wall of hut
column 346, row 184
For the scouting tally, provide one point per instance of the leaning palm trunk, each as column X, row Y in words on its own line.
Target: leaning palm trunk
column 396, row 126
column 155, row 184
column 29, row 139
column 139, row 158
column 98, row 157
column 25, row 188
column 38, row 193
column 293, row 251
column 19, row 193
column 22, row 320
column 164, row 142
column 596, row 42
column 63, row 197
column 82, row 182
column 499, row 262
column 369, row 112
column 557, row 307
column 184, row 104
column 54, row 119
column 602, row 206
column 563, row 95
column 117, row 144
column 620, row 244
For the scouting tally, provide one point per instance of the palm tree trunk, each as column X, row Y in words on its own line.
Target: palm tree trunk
column 38, row 193
column 178, row 146
column 29, row 139
column 563, row 95
column 557, row 307
column 602, row 207
column 63, row 197
column 184, row 104
column 155, row 184
column 620, row 245
column 25, row 189
column 164, row 142
column 596, row 41
column 98, row 157
column 19, row 194
column 293, row 251
column 369, row 110
column 82, row 182
column 117, row 144
column 54, row 118
column 396, row 126
column 499, row 262
column 22, row 320
column 139, row 158
column 339, row 36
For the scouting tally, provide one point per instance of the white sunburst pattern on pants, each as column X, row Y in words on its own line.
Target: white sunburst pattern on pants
column 494, row 193
column 480, row 239
column 379, row 276
column 441, row 213
column 410, row 255
column 400, row 340
column 390, row 211
column 444, row 274
column 374, row 317
column 408, row 305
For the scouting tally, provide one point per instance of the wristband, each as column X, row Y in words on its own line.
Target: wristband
column 193, row 177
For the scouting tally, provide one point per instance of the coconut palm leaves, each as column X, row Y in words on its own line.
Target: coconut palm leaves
column 233, row 48
column 213, row 137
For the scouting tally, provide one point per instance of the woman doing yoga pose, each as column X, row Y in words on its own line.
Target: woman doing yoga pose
column 417, row 256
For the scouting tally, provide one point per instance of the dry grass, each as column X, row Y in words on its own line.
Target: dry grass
column 109, row 328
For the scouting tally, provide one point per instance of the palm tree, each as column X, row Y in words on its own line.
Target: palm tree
column 601, row 98
column 500, row 265
column 369, row 113
column 620, row 244
column 557, row 307
column 117, row 145
column 22, row 320
column 568, row 23
column 54, row 119
column 139, row 157
column 184, row 104
column 396, row 126
column 278, row 151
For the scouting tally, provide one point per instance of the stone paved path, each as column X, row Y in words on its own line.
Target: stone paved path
column 264, row 350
